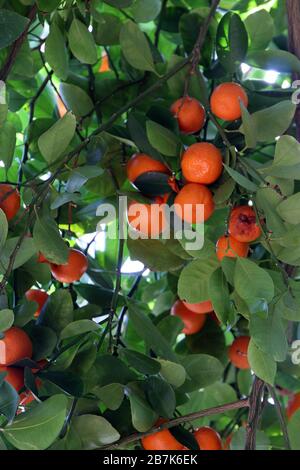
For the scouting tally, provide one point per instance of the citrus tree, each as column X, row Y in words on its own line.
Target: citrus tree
column 155, row 103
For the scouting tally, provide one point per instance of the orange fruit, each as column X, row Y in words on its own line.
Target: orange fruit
column 105, row 66
column 238, row 352
column 38, row 296
column 225, row 101
column 293, row 405
column 15, row 377
column 208, row 439
column 147, row 219
column 190, row 114
column 202, row 163
column 201, row 307
column 242, row 224
column 42, row 258
column 72, row 271
column 10, row 200
column 192, row 321
column 15, row 346
column 141, row 163
column 193, row 194
column 161, row 440
column 230, row 247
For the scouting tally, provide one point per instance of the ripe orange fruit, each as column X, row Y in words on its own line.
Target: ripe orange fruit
column 148, row 219
column 193, row 194
column 192, row 321
column 10, row 201
column 42, row 258
column 293, row 405
column 72, row 271
column 38, row 296
column 208, row 439
column 229, row 246
column 15, row 377
column 201, row 307
column 242, row 224
column 190, row 114
column 141, row 163
column 225, row 101
column 161, row 440
column 15, row 346
column 238, row 352
column 202, row 163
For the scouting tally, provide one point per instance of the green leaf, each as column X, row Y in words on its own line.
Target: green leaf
column 56, row 52
column 47, row 5
column 40, row 426
column 202, row 370
column 240, row 179
column 262, row 364
column 55, row 140
column 252, row 282
column 219, row 296
column 232, row 41
column 293, row 430
column 248, row 127
column 239, row 439
column 58, row 311
column 260, row 27
column 173, row 373
column 110, row 369
column 272, row 122
column 194, row 280
column 140, row 362
column 76, row 99
column 286, row 163
column 82, row 43
column 79, row 327
column 3, row 229
column 112, row 395
column 142, row 415
column 48, row 240
column 94, row 431
column 6, row 319
column 144, row 11
column 9, row 400
column 119, row 3
column 135, row 47
column 162, row 139
column 12, row 26
column 289, row 209
column 107, row 29
column 7, row 143
column 24, row 253
column 150, row 333
column 154, row 254
column 274, row 59
column 161, row 396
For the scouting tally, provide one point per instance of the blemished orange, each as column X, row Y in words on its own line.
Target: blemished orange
column 243, row 224
column 148, row 219
column 15, row 377
column 38, row 296
column 238, row 352
column 189, row 113
column 194, row 194
column 193, row 323
column 10, row 200
column 202, row 163
column 15, row 346
column 72, row 271
column 200, row 307
column 225, row 101
column 208, row 438
column 293, row 405
column 230, row 247
column 161, row 440
column 141, row 163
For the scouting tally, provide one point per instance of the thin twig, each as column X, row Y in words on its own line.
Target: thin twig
column 280, row 416
column 180, row 420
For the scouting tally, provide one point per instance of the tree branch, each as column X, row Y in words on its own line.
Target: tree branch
column 180, row 420
column 4, row 72
column 255, row 409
